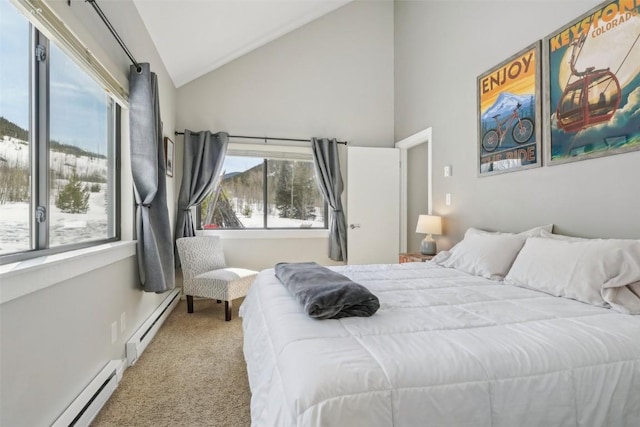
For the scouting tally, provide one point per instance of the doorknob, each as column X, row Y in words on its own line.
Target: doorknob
column 352, row 226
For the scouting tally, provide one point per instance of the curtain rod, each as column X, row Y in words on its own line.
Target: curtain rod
column 266, row 138
column 115, row 34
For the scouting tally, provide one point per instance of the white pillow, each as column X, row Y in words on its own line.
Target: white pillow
column 535, row 231
column 601, row 272
column 548, row 234
column 491, row 261
column 483, row 254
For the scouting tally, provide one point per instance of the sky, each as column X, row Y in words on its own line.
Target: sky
column 78, row 105
column 240, row 164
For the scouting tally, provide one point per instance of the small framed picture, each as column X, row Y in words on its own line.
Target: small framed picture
column 509, row 102
column 168, row 155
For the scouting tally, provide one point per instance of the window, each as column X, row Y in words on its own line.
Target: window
column 58, row 148
column 15, row 161
column 258, row 192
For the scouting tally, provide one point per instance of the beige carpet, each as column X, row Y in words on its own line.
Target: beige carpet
column 192, row 374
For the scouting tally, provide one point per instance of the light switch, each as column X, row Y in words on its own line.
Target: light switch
column 447, row 170
column 447, row 199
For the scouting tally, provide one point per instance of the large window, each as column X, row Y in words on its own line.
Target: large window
column 58, row 180
column 15, row 160
column 258, row 192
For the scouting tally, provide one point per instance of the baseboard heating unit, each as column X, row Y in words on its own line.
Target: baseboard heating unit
column 87, row 405
column 144, row 335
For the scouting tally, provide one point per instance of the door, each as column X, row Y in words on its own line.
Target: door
column 373, row 205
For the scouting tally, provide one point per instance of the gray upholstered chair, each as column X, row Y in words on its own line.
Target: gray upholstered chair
column 206, row 275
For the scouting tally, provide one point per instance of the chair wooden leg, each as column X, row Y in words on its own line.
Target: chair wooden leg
column 227, row 310
column 189, row 304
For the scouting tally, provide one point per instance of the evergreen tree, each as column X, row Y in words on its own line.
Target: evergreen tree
column 247, row 211
column 74, row 197
column 284, row 189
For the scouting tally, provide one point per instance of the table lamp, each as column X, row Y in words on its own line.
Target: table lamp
column 429, row 224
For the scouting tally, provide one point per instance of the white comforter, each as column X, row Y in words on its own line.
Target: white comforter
column 445, row 349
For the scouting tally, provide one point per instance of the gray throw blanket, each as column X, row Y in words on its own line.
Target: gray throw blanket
column 326, row 294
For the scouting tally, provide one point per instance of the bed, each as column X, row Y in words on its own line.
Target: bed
column 446, row 348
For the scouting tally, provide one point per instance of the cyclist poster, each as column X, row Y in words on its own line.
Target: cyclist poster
column 509, row 114
column 593, row 87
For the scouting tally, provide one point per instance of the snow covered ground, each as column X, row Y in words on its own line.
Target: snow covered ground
column 65, row 228
column 256, row 220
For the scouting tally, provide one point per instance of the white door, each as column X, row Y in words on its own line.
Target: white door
column 373, row 205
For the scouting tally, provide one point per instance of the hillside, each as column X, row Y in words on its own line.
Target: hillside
column 8, row 128
column 13, row 130
column 245, row 185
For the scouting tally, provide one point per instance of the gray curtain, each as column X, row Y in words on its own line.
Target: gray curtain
column 155, row 245
column 329, row 177
column 203, row 158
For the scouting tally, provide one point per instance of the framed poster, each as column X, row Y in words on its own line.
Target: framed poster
column 168, row 155
column 592, row 90
column 509, row 114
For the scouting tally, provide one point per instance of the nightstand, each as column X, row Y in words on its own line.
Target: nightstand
column 414, row 257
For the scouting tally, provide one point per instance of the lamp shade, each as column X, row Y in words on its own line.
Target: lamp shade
column 429, row 224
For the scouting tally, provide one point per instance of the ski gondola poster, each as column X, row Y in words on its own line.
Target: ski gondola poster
column 592, row 91
column 509, row 114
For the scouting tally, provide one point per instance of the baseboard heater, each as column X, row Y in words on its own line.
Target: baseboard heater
column 143, row 336
column 87, row 405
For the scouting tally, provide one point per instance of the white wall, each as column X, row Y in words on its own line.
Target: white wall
column 330, row 78
column 54, row 341
column 440, row 49
column 264, row 252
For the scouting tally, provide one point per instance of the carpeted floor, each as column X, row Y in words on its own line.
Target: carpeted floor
column 192, row 374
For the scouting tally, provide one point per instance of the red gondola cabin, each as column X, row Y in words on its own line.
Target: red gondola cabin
column 590, row 100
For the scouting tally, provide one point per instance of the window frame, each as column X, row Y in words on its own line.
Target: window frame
column 39, row 149
column 274, row 153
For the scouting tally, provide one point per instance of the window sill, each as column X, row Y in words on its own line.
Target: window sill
column 24, row 277
column 321, row 233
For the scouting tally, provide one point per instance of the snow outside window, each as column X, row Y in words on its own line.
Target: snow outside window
column 58, row 181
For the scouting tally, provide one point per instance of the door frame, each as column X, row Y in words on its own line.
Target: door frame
column 422, row 137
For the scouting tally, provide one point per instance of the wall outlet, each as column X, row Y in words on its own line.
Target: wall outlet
column 114, row 332
column 447, row 199
column 123, row 322
column 447, row 171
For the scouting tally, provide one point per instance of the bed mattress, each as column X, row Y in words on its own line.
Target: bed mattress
column 444, row 349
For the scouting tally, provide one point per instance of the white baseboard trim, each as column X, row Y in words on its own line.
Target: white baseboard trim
column 86, row 406
column 143, row 336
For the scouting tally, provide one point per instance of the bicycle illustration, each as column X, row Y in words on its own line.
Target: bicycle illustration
column 521, row 132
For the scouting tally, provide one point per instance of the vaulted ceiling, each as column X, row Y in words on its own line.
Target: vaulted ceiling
column 194, row 37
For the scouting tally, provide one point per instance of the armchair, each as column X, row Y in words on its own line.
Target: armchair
column 206, row 275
